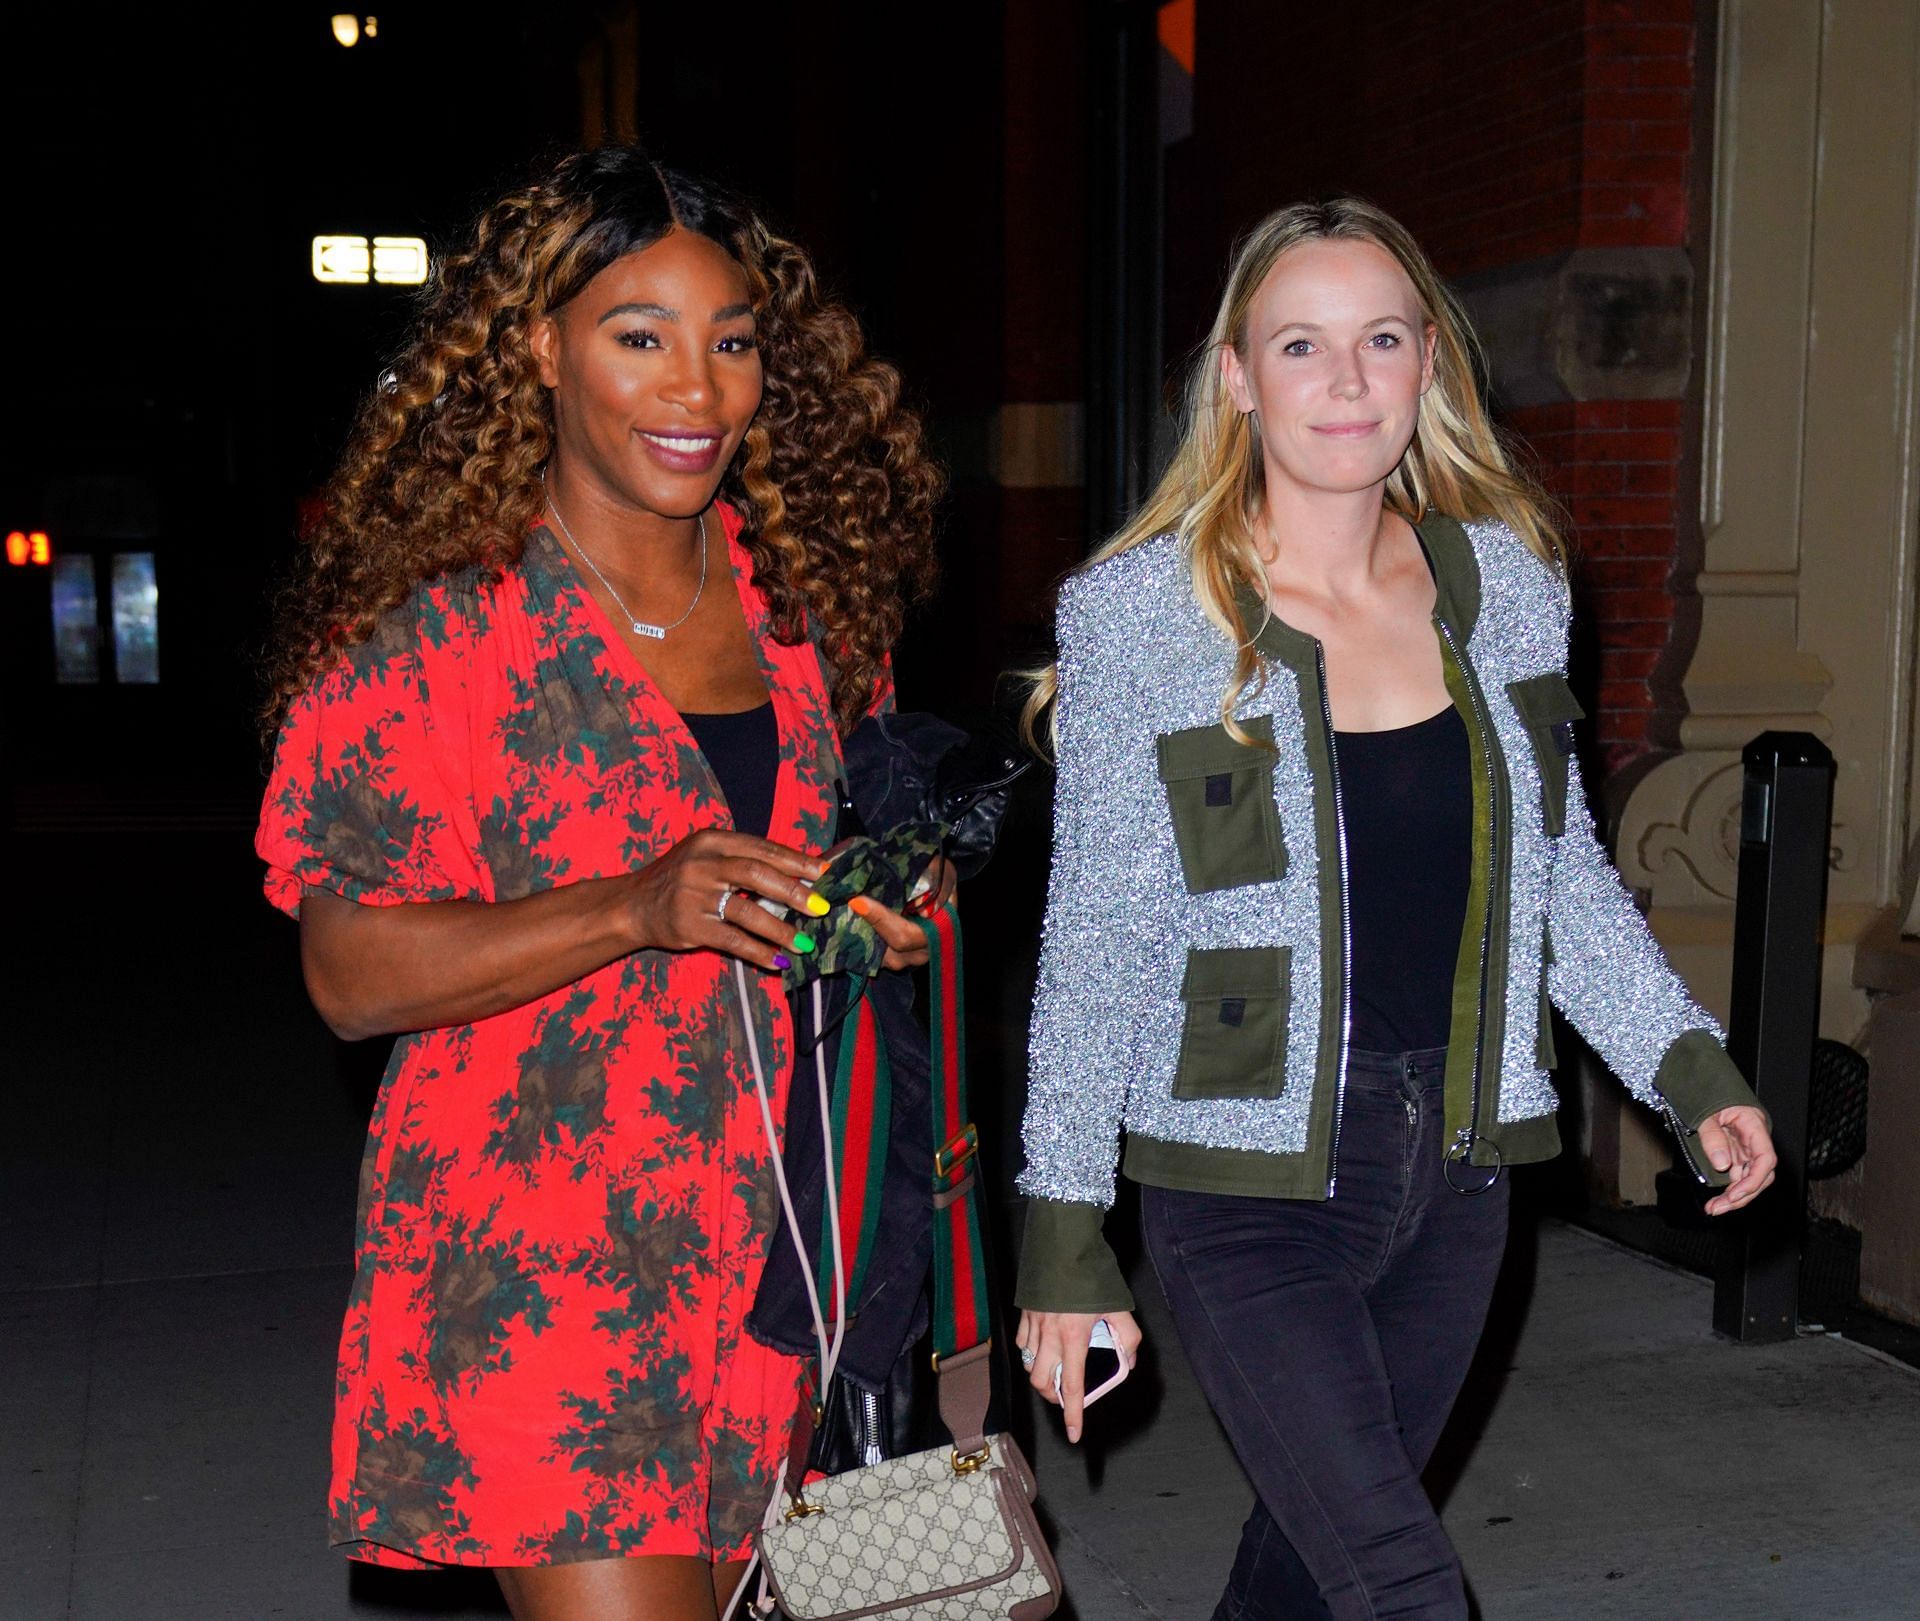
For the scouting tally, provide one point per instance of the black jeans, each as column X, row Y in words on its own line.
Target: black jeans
column 1331, row 1340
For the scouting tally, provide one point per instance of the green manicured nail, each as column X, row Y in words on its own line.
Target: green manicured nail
column 803, row 943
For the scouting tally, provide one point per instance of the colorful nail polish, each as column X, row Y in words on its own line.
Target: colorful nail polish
column 860, row 906
column 803, row 943
column 782, row 961
column 818, row 905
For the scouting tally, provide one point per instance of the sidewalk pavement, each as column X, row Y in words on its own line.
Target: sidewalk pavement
column 163, row 1443
column 1610, row 1461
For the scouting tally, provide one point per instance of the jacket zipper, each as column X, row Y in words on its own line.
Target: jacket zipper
column 1346, row 925
column 870, row 1450
column 1465, row 1139
column 1680, row 1136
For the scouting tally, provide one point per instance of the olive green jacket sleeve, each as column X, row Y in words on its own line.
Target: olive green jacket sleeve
column 1092, row 961
column 1066, row 1263
column 1699, row 1080
column 1610, row 977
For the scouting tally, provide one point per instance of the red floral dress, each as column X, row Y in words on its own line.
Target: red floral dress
column 563, row 1208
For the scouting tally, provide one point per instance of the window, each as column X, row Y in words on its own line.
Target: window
column 136, row 619
column 134, row 603
column 76, row 621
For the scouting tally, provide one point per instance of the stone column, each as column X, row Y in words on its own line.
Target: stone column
column 1806, row 582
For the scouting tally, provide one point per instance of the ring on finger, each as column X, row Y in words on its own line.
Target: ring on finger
column 726, row 894
column 1028, row 1358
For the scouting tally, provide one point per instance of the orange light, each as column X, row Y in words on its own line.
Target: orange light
column 39, row 548
column 1176, row 28
column 17, row 548
column 24, row 547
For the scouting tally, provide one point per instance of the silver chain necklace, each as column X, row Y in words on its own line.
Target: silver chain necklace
column 640, row 626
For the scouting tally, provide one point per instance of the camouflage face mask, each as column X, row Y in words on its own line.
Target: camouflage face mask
column 887, row 869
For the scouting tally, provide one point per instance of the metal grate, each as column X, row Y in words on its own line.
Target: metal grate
column 1836, row 1110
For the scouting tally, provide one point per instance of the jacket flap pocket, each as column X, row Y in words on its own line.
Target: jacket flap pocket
column 1548, row 707
column 1545, row 700
column 1233, row 1036
column 1220, row 798
column 1235, row 971
column 1205, row 751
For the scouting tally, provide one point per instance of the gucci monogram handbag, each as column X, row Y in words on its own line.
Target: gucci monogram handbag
column 947, row 1534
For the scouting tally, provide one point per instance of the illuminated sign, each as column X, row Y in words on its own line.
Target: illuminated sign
column 26, row 547
column 401, row 260
column 341, row 258
column 398, row 261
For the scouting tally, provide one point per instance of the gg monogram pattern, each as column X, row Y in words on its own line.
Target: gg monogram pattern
column 912, row 1527
column 564, row 1207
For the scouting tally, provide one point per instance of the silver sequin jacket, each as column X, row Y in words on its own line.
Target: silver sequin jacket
column 1192, row 987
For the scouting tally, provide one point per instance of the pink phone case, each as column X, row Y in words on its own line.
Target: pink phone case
column 1102, row 1338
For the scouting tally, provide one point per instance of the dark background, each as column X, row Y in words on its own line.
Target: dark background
column 179, row 378
column 1029, row 205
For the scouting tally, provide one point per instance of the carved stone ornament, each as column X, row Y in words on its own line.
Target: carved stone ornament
column 1680, row 834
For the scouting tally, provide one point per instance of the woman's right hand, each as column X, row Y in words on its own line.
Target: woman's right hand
column 1059, row 1338
column 676, row 901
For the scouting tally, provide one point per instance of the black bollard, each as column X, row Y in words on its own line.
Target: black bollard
column 1786, row 812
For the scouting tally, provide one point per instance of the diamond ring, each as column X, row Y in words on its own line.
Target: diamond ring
column 1028, row 1358
column 720, row 911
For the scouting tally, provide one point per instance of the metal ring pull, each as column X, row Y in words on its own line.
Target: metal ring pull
column 1459, row 1153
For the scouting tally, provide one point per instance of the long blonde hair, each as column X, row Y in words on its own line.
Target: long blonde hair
column 1211, row 492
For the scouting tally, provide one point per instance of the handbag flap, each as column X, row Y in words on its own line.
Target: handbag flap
column 901, row 1532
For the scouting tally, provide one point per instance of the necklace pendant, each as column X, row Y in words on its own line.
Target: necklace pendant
column 653, row 633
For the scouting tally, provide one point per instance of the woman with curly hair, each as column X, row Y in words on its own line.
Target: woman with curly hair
column 614, row 556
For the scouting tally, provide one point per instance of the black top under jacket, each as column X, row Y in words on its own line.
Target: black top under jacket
column 1407, row 802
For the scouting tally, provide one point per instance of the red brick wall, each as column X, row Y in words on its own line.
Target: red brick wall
column 1500, row 131
column 1614, row 466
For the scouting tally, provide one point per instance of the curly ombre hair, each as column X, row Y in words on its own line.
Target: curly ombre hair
column 443, row 468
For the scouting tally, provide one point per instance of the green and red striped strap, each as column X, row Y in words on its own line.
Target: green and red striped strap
column 960, row 1316
column 860, row 1112
column 862, row 1117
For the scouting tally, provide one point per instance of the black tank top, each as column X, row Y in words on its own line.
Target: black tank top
column 1407, row 800
column 743, row 751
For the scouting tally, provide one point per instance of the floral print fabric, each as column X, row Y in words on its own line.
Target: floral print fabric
column 564, row 1207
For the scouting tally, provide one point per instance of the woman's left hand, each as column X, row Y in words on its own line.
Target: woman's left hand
column 1737, row 1140
column 906, row 945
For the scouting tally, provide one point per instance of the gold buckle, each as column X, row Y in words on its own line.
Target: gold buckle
column 801, row 1509
column 936, row 1354
column 967, row 1463
column 964, row 1145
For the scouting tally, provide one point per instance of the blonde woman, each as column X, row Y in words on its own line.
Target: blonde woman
column 1322, row 857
